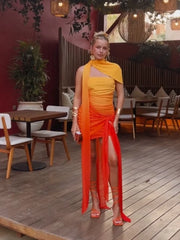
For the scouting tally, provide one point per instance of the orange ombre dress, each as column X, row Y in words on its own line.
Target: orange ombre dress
column 96, row 116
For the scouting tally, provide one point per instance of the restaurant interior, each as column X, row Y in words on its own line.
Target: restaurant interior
column 42, row 199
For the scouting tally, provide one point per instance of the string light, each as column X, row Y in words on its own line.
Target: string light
column 60, row 4
column 166, row 1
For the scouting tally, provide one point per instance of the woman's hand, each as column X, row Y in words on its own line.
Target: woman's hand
column 116, row 125
column 74, row 129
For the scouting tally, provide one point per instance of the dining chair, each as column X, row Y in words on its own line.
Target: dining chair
column 173, row 113
column 49, row 136
column 127, row 114
column 8, row 143
column 157, row 115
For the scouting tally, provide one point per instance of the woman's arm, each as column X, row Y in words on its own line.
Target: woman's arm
column 77, row 100
column 119, row 105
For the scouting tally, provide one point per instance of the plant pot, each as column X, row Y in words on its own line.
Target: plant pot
column 34, row 106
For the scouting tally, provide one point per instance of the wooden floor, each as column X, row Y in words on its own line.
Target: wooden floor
column 46, row 204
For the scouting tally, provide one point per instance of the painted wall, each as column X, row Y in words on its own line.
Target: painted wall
column 12, row 29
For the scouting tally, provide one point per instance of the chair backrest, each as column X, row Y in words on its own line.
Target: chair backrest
column 165, row 101
column 5, row 124
column 129, row 103
column 7, row 121
column 163, row 104
column 59, row 109
column 176, row 105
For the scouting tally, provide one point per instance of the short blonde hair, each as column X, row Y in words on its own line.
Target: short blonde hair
column 99, row 35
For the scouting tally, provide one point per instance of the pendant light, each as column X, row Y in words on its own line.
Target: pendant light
column 59, row 8
column 133, row 28
column 175, row 24
column 162, row 6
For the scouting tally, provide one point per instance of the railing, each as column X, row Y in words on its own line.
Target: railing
column 148, row 77
column 144, row 76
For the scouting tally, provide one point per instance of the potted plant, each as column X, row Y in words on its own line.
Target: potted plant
column 28, row 69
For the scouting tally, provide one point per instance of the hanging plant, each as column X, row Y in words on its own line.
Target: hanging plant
column 158, row 51
column 131, row 5
column 83, row 8
column 25, row 8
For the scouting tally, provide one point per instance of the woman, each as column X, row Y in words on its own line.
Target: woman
column 94, row 116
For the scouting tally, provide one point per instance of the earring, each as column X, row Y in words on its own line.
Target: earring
column 107, row 57
column 92, row 57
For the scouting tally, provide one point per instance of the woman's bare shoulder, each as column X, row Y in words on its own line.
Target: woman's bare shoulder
column 80, row 69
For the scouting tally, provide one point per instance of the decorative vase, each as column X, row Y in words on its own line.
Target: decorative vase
column 34, row 106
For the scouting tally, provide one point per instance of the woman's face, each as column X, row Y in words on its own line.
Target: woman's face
column 100, row 49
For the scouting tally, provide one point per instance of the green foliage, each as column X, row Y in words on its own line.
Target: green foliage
column 124, row 5
column 28, row 71
column 25, row 8
column 158, row 51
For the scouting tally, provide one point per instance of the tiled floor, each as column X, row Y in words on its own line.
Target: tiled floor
column 6, row 234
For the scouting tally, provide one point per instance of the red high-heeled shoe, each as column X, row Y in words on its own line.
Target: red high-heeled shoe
column 95, row 213
column 118, row 220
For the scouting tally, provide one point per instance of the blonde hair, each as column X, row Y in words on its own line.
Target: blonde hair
column 99, row 35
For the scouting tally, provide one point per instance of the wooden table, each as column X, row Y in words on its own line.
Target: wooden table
column 29, row 116
column 143, row 100
column 146, row 99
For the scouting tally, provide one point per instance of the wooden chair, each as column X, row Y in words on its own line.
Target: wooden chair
column 49, row 136
column 173, row 114
column 127, row 114
column 9, row 143
column 157, row 115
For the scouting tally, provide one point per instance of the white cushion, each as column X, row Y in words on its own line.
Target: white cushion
column 47, row 133
column 172, row 96
column 126, row 94
column 66, row 101
column 161, row 93
column 126, row 117
column 152, row 114
column 15, row 140
column 137, row 92
column 149, row 94
column 71, row 94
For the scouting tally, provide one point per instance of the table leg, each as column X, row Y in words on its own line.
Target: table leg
column 23, row 166
column 134, row 112
column 28, row 134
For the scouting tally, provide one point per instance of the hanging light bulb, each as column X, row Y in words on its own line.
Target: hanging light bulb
column 175, row 24
column 163, row 6
column 165, row 1
column 135, row 15
column 59, row 8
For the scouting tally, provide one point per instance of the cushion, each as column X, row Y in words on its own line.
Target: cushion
column 66, row 101
column 126, row 94
column 149, row 93
column 161, row 93
column 137, row 92
column 71, row 94
column 172, row 96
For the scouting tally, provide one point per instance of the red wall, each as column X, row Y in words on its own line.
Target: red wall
column 128, row 50
column 12, row 29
